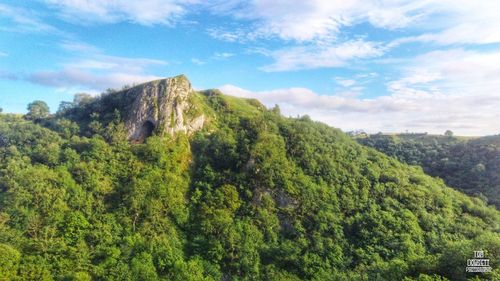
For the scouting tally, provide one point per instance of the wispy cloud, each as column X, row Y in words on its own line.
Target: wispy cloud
column 453, row 71
column 90, row 68
column 197, row 61
column 8, row 75
column 304, row 21
column 22, row 20
column 114, row 63
column 237, row 35
column 334, row 55
column 461, row 22
column 145, row 12
column 345, row 82
column 319, row 20
column 72, row 78
column 78, row 47
column 223, row 55
column 315, row 30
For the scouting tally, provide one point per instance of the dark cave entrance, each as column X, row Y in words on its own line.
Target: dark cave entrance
column 146, row 131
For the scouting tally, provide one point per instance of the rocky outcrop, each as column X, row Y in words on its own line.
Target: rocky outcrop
column 161, row 107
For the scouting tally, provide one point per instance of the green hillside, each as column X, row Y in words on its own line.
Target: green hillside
column 252, row 196
column 471, row 165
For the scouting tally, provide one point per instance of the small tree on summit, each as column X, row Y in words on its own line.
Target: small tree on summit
column 37, row 110
column 82, row 99
column 448, row 133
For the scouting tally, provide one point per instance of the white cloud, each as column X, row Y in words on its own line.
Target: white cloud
column 440, row 90
column 464, row 114
column 78, row 47
column 455, row 70
column 113, row 63
column 460, row 22
column 73, row 77
column 455, row 89
column 3, row 54
column 345, row 82
column 91, row 69
column 238, row 35
column 22, row 20
column 145, row 12
column 319, row 20
column 453, row 21
column 317, row 28
column 223, row 55
column 484, row 32
column 335, row 55
column 197, row 61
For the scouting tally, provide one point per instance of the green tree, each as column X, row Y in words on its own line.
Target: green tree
column 9, row 261
column 82, row 99
column 65, row 106
column 37, row 110
column 143, row 267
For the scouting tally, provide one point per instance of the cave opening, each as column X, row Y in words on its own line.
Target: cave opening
column 146, row 131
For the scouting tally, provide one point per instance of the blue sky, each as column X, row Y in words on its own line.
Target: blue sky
column 384, row 65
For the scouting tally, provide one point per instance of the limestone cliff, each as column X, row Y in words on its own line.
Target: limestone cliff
column 161, row 107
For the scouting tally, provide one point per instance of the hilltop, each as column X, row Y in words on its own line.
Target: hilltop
column 246, row 195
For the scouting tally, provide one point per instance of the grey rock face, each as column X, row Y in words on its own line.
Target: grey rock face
column 160, row 107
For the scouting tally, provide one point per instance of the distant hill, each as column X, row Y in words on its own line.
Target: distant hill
column 131, row 185
column 471, row 165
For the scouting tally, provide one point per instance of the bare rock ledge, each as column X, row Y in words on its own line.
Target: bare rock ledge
column 160, row 106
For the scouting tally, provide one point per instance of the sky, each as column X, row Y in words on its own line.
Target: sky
column 374, row 65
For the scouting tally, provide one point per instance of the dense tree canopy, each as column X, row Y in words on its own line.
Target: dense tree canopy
column 470, row 165
column 253, row 196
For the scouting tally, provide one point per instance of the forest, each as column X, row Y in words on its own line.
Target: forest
column 252, row 196
column 471, row 165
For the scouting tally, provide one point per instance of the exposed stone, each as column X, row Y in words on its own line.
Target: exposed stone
column 160, row 107
column 284, row 202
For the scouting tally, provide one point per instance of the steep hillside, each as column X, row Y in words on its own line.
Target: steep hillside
column 470, row 165
column 250, row 195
